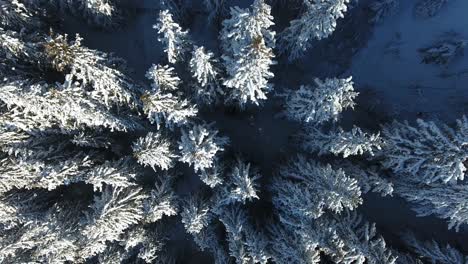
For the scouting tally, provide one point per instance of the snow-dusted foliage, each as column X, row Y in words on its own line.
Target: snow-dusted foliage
column 155, row 151
column 213, row 176
column 445, row 201
column 338, row 141
column 427, row 152
column 318, row 21
column 203, row 68
column 320, row 103
column 343, row 238
column 306, row 190
column 246, row 245
column 15, row 15
column 67, row 106
column 248, row 44
column 102, row 13
column 161, row 200
column 38, row 174
column 288, row 247
column 242, row 185
column 76, row 133
column 195, row 214
column 97, row 72
column 175, row 40
column 435, row 253
column 428, row 8
column 444, row 51
column 369, row 179
column 115, row 210
column 199, row 146
column 167, row 109
column 383, row 9
column 163, row 78
column 119, row 173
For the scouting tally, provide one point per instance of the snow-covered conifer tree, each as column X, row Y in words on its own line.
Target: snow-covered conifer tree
column 321, row 103
column 174, row 39
column 213, row 176
column 95, row 70
column 199, row 146
column 163, row 78
column 161, row 200
column 248, row 46
column 101, row 13
column 118, row 174
column 195, row 214
column 318, row 21
column 306, row 190
column 288, row 247
column 115, row 210
column 246, row 245
column 242, row 186
column 338, row 141
column 15, row 15
column 433, row 252
column 67, row 106
column 154, row 150
column 369, row 179
column 167, row 109
column 426, row 152
column 203, row 68
column 446, row 201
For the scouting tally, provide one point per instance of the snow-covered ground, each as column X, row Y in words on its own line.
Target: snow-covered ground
column 391, row 66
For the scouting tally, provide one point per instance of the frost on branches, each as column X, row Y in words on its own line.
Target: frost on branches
column 321, row 103
column 195, row 214
column 248, row 46
column 167, row 109
column 306, row 189
column 15, row 15
column 199, row 146
column 100, row 73
column 338, row 141
column 427, row 153
column 111, row 214
column 246, row 244
column 445, row 201
column 102, row 13
column 163, row 78
column 213, row 176
column 161, row 200
column 242, row 185
column 369, row 179
column 174, row 39
column 317, row 22
column 164, row 105
column 67, row 106
column 204, row 70
column 155, row 151
column 433, row 252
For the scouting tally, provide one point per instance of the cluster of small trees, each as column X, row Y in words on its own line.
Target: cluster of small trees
column 77, row 134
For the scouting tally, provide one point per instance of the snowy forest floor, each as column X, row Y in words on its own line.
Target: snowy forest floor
column 386, row 68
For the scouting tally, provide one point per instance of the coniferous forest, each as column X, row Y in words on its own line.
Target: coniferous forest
column 234, row 131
